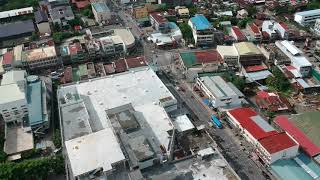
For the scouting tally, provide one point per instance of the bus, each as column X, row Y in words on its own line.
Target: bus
column 216, row 121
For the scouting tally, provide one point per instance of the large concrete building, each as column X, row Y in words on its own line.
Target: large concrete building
column 131, row 113
column 298, row 61
column 220, row 93
column 23, row 107
column 229, row 55
column 307, row 17
column 202, row 30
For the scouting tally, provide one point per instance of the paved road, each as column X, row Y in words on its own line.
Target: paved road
column 229, row 144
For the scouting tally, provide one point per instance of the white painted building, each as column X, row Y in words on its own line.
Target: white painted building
column 316, row 27
column 202, row 30
column 269, row 27
column 300, row 62
column 220, row 93
column 13, row 102
column 90, row 104
column 307, row 17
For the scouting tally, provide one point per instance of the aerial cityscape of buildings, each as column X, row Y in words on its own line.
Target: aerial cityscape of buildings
column 158, row 89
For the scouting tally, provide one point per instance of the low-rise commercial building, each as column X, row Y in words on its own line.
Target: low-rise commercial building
column 140, row 12
column 15, row 33
column 316, row 27
column 301, row 128
column 305, row 18
column 16, row 12
column 229, row 55
column 269, row 144
column 220, row 93
column 112, row 117
column 298, row 61
column 101, row 12
column 269, row 28
column 158, row 21
column 202, row 30
column 193, row 63
column 43, row 57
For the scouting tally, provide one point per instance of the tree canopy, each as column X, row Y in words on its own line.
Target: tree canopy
column 39, row 168
column 278, row 81
column 186, row 31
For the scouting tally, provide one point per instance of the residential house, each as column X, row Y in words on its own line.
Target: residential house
column 271, row 102
column 254, row 31
column 42, row 22
column 241, row 14
column 61, row 15
column 237, row 34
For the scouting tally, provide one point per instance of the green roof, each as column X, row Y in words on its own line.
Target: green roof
column 75, row 74
column 188, row 58
column 309, row 123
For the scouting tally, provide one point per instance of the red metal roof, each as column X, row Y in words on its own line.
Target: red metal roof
column 243, row 116
column 255, row 68
column 120, row 65
column 7, row 58
column 290, row 67
column 136, row 62
column 158, row 17
column 307, row 145
column 271, row 101
column 81, row 3
column 284, row 26
column 277, row 142
column 254, row 29
column 238, row 33
column 109, row 68
column 210, row 56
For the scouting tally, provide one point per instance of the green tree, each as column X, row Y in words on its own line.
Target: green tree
column 57, row 37
column 39, row 168
column 193, row 10
column 186, row 31
column 56, row 138
column 278, row 81
column 56, row 27
column 243, row 23
column 252, row 10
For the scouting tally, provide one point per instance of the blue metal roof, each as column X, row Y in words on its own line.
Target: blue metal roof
column 100, row 7
column 309, row 13
column 288, row 169
column 200, row 22
column 34, row 99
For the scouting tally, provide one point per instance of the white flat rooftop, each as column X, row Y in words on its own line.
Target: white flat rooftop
column 93, row 151
column 11, row 93
column 183, row 123
column 142, row 88
column 18, row 140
